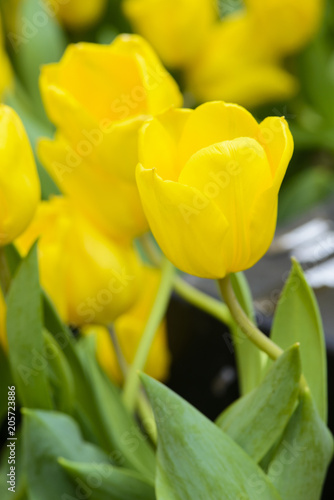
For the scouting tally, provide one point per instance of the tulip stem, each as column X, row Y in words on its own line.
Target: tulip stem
column 254, row 334
column 158, row 311
column 202, row 301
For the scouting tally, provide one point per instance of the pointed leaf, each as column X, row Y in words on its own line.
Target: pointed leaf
column 47, row 436
column 107, row 482
column 297, row 319
column 195, row 459
column 300, row 462
column 258, row 419
column 25, row 335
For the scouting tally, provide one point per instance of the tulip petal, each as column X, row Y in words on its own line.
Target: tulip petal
column 232, row 174
column 159, row 140
column 99, row 194
column 190, row 228
column 276, row 139
column 215, row 122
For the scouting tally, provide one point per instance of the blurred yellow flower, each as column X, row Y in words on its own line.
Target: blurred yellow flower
column 89, row 278
column 128, row 329
column 98, row 97
column 19, row 182
column 236, row 63
column 175, row 28
column 286, row 25
column 6, row 75
column 3, row 335
column 209, row 181
column 78, row 14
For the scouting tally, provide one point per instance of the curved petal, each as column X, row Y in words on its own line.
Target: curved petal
column 276, row 138
column 159, row 141
column 159, row 87
column 231, row 174
column 189, row 228
column 112, row 203
column 215, row 122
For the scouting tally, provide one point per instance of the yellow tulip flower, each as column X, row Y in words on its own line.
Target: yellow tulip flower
column 241, row 60
column 209, row 181
column 128, row 329
column 78, row 14
column 175, row 28
column 3, row 335
column 19, row 182
column 98, row 97
column 89, row 278
column 286, row 25
column 237, row 64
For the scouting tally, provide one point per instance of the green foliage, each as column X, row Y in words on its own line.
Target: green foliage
column 257, row 420
column 25, row 335
column 106, row 482
column 298, row 467
column 197, row 460
column 297, row 319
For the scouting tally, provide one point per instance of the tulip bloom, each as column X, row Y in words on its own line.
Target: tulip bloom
column 79, row 14
column 19, row 182
column 175, row 28
column 209, row 182
column 241, row 58
column 89, row 278
column 98, row 97
column 236, row 63
column 129, row 328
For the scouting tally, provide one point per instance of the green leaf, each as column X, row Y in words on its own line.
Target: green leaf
column 48, row 436
column 121, row 432
column 195, row 459
column 250, row 360
column 299, row 466
column 107, row 482
column 257, row 420
column 297, row 319
column 98, row 399
column 25, row 335
column 40, row 40
column 60, row 375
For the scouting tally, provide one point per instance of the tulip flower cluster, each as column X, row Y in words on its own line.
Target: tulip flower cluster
column 238, row 57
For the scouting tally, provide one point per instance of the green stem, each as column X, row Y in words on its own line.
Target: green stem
column 157, row 313
column 254, row 334
column 5, row 275
column 144, row 408
column 203, row 301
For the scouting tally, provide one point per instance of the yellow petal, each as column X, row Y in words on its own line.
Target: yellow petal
column 287, row 25
column 111, row 203
column 159, row 142
column 19, row 182
column 79, row 14
column 186, row 225
column 175, row 28
column 215, row 122
column 276, row 138
column 231, row 174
